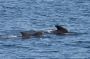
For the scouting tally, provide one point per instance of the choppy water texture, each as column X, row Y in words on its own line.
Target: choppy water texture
column 24, row 15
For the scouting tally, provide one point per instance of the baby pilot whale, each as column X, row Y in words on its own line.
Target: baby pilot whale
column 29, row 34
column 59, row 31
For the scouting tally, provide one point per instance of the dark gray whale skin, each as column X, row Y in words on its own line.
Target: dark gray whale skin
column 29, row 34
column 59, row 31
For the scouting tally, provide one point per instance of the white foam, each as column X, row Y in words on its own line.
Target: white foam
column 8, row 36
column 11, row 36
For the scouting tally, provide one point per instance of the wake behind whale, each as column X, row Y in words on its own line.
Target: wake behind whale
column 8, row 36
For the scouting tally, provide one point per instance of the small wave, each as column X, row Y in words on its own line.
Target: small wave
column 14, row 46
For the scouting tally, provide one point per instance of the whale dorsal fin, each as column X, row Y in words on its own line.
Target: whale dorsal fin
column 62, row 29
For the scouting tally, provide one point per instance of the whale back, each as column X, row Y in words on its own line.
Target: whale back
column 61, row 29
column 28, row 34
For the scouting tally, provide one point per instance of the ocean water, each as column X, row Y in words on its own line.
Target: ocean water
column 24, row 15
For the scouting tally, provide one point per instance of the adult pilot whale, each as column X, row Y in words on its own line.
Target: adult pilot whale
column 58, row 31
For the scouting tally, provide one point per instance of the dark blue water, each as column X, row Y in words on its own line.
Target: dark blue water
column 24, row 15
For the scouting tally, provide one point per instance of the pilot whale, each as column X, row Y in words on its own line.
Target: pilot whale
column 29, row 34
column 58, row 31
